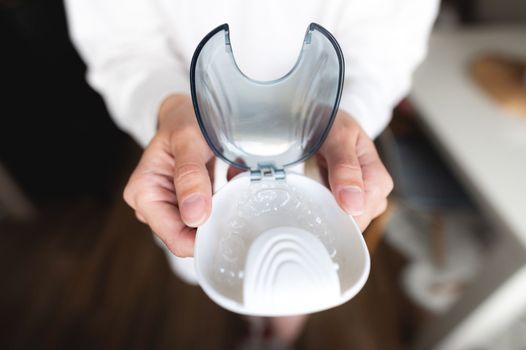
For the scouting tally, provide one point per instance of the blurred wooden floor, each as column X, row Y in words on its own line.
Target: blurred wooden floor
column 88, row 277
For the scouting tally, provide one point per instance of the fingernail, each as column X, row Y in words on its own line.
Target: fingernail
column 193, row 209
column 352, row 200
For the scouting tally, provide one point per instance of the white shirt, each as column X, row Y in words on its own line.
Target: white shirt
column 139, row 51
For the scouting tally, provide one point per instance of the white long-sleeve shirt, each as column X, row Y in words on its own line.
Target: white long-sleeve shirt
column 139, row 51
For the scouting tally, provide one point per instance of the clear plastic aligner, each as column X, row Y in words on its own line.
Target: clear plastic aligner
column 256, row 211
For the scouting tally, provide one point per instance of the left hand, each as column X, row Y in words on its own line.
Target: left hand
column 354, row 171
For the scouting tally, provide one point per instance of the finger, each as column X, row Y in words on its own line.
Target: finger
column 371, row 212
column 164, row 219
column 377, row 181
column 151, row 192
column 380, row 209
column 345, row 174
column 191, row 179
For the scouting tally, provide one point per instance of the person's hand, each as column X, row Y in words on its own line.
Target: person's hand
column 354, row 172
column 170, row 189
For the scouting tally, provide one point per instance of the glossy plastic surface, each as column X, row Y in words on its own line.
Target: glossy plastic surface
column 252, row 123
column 276, row 248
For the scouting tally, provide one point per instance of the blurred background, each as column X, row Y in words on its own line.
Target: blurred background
column 448, row 256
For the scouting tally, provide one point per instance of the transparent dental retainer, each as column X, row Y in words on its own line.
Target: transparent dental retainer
column 276, row 242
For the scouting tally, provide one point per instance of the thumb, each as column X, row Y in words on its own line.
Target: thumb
column 191, row 178
column 345, row 175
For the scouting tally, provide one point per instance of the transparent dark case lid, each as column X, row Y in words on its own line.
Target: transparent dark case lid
column 253, row 124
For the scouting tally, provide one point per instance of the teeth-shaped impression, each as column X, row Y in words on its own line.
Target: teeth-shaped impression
column 289, row 268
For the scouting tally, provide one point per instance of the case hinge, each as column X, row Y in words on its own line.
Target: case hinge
column 267, row 172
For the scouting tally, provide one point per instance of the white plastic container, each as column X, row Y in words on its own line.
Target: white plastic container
column 278, row 248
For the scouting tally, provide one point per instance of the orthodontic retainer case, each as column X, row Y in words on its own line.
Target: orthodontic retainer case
column 276, row 242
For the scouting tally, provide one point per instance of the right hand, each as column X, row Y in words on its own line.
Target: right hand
column 171, row 189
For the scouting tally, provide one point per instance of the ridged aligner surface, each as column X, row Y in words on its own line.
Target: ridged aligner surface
column 256, row 211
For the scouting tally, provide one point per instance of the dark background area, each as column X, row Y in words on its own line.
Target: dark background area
column 56, row 137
